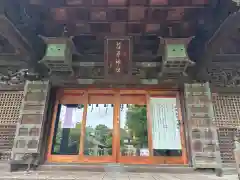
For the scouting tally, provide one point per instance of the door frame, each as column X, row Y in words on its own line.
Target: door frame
column 155, row 159
column 70, row 96
column 67, row 96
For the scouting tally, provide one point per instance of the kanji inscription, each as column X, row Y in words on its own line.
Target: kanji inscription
column 118, row 60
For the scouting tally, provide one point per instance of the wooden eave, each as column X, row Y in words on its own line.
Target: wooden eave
column 223, row 34
column 14, row 37
column 214, row 44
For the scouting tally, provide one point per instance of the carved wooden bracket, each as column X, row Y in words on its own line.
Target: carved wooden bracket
column 224, row 74
column 237, row 2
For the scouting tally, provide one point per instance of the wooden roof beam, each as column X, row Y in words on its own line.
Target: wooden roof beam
column 212, row 47
column 9, row 31
column 12, row 60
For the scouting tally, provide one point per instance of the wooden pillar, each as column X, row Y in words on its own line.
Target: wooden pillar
column 202, row 131
column 29, row 132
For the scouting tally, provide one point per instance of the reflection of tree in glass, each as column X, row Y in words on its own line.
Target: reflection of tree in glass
column 99, row 138
column 73, row 135
column 102, row 133
column 137, row 124
column 58, row 138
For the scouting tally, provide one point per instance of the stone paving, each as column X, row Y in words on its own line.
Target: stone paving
column 110, row 176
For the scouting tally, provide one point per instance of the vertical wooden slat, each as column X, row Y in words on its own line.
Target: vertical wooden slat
column 83, row 127
column 116, row 128
column 54, row 118
column 184, row 153
column 185, row 127
column 149, row 123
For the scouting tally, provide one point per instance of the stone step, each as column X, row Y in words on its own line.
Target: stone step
column 73, row 171
column 60, row 175
column 117, row 168
column 43, row 175
column 229, row 168
column 4, row 166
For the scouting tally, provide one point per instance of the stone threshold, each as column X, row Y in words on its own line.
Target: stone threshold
column 60, row 175
column 103, row 167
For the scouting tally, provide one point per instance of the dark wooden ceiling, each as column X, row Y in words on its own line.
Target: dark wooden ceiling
column 166, row 18
column 89, row 21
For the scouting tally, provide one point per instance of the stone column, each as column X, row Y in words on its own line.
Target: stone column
column 29, row 132
column 202, row 131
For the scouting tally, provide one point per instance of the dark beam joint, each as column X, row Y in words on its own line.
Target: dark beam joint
column 214, row 44
column 12, row 60
column 222, row 34
column 135, row 64
column 10, row 32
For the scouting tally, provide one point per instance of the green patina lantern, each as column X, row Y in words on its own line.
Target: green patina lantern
column 56, row 50
column 176, row 51
column 58, row 55
column 175, row 57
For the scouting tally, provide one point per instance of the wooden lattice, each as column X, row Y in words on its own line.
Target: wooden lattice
column 226, row 144
column 10, row 103
column 227, row 110
column 227, row 119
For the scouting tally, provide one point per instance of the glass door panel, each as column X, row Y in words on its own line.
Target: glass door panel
column 99, row 129
column 133, row 131
column 66, row 129
column 67, row 134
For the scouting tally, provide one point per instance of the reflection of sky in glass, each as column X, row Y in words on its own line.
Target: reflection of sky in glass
column 101, row 115
column 75, row 118
column 123, row 116
column 97, row 114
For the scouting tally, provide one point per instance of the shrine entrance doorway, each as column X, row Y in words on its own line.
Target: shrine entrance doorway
column 117, row 126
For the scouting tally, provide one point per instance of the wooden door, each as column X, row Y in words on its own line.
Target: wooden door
column 83, row 127
column 66, row 130
column 133, row 139
column 150, row 129
column 99, row 133
column 122, row 126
